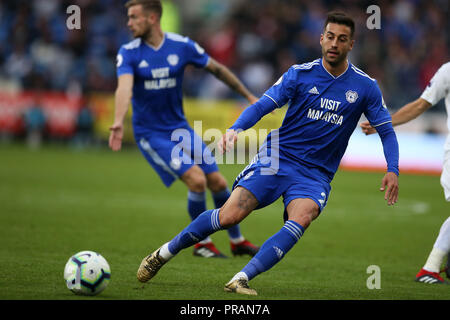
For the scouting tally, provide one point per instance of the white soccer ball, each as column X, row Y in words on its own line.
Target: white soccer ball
column 87, row 273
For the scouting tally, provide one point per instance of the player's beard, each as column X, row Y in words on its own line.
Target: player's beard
column 145, row 34
column 337, row 60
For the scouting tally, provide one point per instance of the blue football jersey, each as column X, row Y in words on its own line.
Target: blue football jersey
column 323, row 111
column 158, row 76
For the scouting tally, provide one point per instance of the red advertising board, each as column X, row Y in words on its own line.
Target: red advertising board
column 60, row 111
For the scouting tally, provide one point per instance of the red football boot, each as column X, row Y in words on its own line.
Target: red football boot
column 244, row 247
column 428, row 277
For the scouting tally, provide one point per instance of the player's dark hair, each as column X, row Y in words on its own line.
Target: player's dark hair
column 148, row 5
column 340, row 18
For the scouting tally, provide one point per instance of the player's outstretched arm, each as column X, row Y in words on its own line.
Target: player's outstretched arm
column 224, row 74
column 405, row 114
column 123, row 96
column 248, row 118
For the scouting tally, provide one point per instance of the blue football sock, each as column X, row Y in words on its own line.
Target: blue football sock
column 205, row 224
column 274, row 249
column 196, row 203
column 219, row 200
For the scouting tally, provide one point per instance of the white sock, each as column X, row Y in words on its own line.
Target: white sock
column 443, row 239
column 440, row 248
column 206, row 240
column 434, row 260
column 165, row 253
column 239, row 275
column 237, row 240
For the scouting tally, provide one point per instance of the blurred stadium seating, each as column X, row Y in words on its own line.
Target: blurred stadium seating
column 42, row 63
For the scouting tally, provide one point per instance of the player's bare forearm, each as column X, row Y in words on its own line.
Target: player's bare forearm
column 122, row 101
column 405, row 114
column 410, row 111
column 122, row 97
column 224, row 74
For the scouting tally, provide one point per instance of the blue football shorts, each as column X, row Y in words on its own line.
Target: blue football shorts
column 172, row 153
column 291, row 182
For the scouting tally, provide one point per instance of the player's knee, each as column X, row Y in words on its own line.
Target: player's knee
column 196, row 183
column 216, row 182
column 304, row 218
column 228, row 222
column 307, row 218
column 228, row 219
column 199, row 184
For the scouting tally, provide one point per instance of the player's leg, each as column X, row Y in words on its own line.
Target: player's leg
column 217, row 183
column 301, row 212
column 430, row 271
column 195, row 180
column 441, row 248
column 305, row 196
column 172, row 161
column 239, row 205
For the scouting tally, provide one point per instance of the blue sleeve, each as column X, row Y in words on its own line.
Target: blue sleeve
column 196, row 55
column 376, row 111
column 284, row 89
column 252, row 114
column 124, row 62
column 390, row 146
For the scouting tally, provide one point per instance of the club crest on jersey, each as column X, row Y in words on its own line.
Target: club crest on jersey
column 351, row 96
column 173, row 59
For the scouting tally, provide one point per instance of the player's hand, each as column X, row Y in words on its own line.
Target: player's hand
column 116, row 136
column 389, row 183
column 227, row 142
column 367, row 128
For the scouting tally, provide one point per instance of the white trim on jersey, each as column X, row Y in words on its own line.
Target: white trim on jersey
column 207, row 62
column 160, row 45
column 272, row 99
column 362, row 73
column 377, row 125
column 307, row 65
column 133, row 44
column 334, row 77
column 176, row 37
column 155, row 156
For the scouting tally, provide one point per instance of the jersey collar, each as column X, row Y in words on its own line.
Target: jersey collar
column 334, row 77
column 160, row 45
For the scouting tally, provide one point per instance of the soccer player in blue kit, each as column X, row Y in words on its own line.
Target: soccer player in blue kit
column 326, row 98
column 150, row 74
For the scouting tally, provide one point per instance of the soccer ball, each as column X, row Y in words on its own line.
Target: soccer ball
column 87, row 273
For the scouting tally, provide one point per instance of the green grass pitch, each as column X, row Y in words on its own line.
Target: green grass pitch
column 57, row 201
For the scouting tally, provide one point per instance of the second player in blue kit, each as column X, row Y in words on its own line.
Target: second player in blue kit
column 150, row 73
column 325, row 98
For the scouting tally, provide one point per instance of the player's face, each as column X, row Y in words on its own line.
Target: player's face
column 139, row 21
column 336, row 42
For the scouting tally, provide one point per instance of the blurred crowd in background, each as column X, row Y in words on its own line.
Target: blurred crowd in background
column 258, row 40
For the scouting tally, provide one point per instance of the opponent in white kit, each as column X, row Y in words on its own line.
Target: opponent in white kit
column 437, row 89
